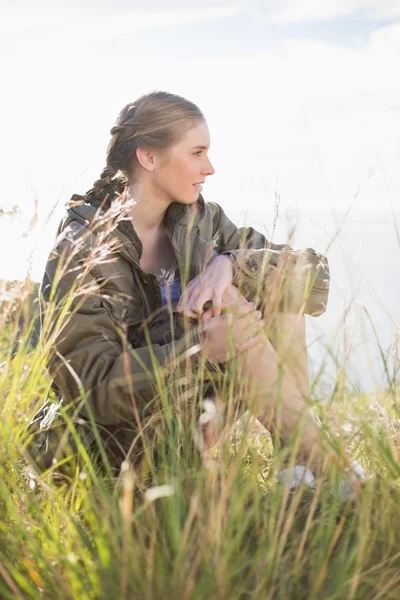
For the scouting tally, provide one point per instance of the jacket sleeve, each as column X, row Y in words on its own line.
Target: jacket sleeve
column 303, row 275
column 89, row 353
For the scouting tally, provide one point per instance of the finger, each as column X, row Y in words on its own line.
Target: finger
column 190, row 314
column 245, row 310
column 206, row 316
column 186, row 301
column 256, row 315
column 186, row 294
column 186, row 311
column 256, row 328
column 251, row 343
column 188, row 297
column 235, row 306
column 182, row 301
column 217, row 304
column 247, row 328
column 249, row 320
column 199, row 302
column 224, row 308
column 257, row 325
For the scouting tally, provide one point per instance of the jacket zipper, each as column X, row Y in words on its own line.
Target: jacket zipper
column 151, row 292
column 192, row 272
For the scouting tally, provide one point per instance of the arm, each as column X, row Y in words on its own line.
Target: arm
column 88, row 350
column 259, row 265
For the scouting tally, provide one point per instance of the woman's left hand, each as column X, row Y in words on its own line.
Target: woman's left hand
column 208, row 286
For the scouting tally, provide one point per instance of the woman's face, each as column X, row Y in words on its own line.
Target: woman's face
column 185, row 165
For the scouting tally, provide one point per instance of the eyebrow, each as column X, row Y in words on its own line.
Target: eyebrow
column 199, row 148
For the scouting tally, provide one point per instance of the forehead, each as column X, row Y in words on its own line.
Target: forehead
column 198, row 135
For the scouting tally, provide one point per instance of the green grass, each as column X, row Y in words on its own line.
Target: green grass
column 226, row 531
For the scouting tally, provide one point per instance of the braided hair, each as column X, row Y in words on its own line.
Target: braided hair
column 155, row 120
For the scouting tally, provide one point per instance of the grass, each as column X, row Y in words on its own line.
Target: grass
column 186, row 525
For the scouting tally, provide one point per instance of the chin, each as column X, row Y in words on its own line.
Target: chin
column 187, row 200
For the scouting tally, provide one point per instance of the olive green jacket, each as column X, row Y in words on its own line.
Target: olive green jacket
column 115, row 332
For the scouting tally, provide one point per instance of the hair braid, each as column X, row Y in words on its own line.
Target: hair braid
column 104, row 190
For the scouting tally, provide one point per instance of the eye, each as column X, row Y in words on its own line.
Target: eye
column 198, row 152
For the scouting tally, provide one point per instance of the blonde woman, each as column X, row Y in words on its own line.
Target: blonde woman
column 167, row 281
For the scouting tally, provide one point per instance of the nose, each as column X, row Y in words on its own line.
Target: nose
column 209, row 170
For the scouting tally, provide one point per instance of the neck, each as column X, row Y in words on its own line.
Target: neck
column 148, row 209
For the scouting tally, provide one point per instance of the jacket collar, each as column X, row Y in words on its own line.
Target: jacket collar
column 130, row 246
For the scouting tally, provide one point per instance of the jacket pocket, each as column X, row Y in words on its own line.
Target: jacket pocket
column 124, row 312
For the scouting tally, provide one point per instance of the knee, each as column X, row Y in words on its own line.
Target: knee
column 290, row 321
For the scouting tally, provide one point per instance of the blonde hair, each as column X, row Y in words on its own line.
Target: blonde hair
column 155, row 120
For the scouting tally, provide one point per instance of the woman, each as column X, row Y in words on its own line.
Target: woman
column 161, row 279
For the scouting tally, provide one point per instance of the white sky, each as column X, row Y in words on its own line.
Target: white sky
column 301, row 92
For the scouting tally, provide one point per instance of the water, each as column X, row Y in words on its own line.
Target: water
column 361, row 327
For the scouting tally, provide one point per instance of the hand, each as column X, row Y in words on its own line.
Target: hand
column 208, row 286
column 232, row 333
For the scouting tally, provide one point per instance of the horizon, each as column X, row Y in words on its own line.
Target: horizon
column 31, row 262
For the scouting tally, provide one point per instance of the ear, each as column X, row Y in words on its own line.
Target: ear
column 146, row 158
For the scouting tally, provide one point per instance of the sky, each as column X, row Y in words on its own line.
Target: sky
column 302, row 100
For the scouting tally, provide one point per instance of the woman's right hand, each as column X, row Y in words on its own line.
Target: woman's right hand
column 231, row 333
